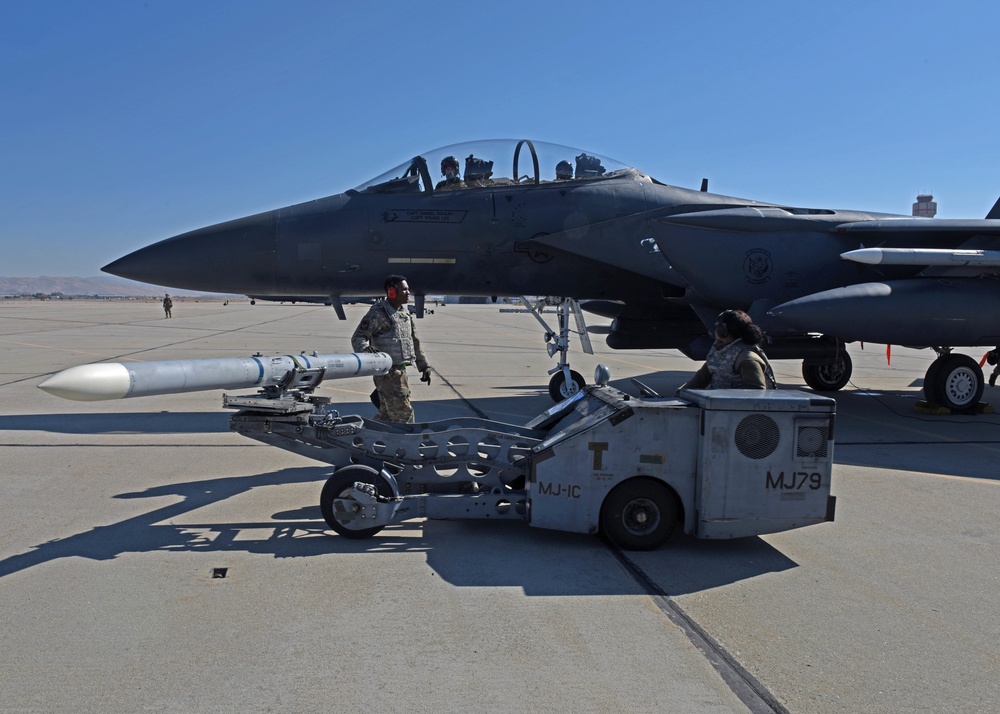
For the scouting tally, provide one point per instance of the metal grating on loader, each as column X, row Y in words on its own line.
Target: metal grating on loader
column 811, row 442
column 757, row 436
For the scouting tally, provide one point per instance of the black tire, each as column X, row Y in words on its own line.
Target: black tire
column 957, row 383
column 932, row 382
column 560, row 389
column 639, row 514
column 339, row 485
column 829, row 377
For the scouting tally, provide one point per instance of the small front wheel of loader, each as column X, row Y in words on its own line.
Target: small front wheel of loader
column 639, row 514
column 340, row 510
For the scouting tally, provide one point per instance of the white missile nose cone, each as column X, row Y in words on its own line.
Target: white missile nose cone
column 868, row 256
column 89, row 382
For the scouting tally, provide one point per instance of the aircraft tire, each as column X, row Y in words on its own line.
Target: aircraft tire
column 560, row 389
column 339, row 485
column 932, row 383
column 828, row 377
column 956, row 382
column 639, row 514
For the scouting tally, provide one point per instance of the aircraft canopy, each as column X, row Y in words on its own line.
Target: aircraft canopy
column 496, row 162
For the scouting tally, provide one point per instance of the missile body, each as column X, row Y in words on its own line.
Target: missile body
column 923, row 256
column 116, row 380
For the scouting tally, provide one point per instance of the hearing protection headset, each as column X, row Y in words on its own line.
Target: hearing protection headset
column 392, row 286
column 721, row 328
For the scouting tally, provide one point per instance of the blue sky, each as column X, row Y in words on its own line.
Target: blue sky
column 123, row 123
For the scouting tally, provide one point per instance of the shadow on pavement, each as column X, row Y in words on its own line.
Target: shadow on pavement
column 463, row 553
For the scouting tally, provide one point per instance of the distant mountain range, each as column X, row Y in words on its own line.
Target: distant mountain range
column 100, row 285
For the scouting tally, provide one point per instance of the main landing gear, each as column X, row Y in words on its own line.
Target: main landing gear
column 955, row 381
column 828, row 376
column 565, row 382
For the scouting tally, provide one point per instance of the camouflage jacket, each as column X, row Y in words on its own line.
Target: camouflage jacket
column 734, row 366
column 386, row 329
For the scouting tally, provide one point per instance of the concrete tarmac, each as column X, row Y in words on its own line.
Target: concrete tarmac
column 152, row 560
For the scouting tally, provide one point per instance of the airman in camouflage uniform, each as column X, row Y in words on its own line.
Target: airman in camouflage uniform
column 736, row 360
column 388, row 327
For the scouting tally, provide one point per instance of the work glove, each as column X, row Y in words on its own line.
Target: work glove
column 426, row 376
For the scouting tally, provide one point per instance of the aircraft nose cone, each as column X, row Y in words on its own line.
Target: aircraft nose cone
column 237, row 256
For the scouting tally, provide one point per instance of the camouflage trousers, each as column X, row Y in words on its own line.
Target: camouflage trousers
column 394, row 396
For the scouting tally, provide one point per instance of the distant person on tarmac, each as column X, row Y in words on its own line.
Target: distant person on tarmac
column 168, row 306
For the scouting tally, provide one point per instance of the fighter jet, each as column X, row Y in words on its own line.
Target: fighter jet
column 660, row 260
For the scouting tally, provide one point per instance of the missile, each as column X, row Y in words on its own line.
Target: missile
column 116, row 380
column 923, row 256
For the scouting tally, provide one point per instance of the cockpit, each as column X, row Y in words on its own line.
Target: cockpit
column 485, row 164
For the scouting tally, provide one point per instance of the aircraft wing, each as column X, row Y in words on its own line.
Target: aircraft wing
column 944, row 247
column 755, row 219
column 979, row 253
column 957, row 226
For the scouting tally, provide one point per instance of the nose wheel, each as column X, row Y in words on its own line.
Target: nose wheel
column 565, row 382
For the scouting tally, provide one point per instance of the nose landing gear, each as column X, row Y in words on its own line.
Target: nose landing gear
column 565, row 382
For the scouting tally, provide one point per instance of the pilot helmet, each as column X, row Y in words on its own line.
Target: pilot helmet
column 449, row 162
column 564, row 170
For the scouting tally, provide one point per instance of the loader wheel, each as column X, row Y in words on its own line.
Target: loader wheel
column 339, row 486
column 560, row 389
column 639, row 514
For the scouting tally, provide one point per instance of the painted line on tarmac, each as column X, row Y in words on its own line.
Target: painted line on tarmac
column 744, row 685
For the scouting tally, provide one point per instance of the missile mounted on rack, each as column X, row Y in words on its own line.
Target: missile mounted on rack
column 273, row 375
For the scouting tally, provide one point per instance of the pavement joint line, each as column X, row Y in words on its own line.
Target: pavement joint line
column 747, row 688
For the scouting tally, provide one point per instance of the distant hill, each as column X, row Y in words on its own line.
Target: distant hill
column 100, row 285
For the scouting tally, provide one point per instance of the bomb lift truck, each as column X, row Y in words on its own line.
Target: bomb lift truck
column 714, row 464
